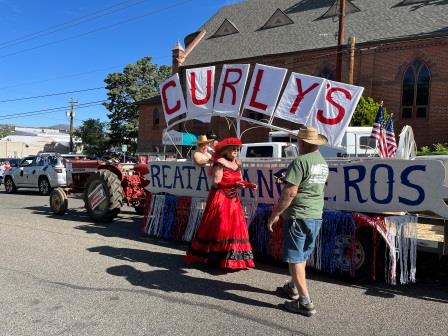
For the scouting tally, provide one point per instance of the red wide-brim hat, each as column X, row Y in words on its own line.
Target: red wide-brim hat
column 228, row 142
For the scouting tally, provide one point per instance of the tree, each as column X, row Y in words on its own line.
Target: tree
column 6, row 130
column 137, row 82
column 93, row 135
column 365, row 112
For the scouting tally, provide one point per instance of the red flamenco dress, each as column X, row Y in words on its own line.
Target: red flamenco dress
column 222, row 238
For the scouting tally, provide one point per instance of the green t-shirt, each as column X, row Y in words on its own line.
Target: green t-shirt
column 309, row 172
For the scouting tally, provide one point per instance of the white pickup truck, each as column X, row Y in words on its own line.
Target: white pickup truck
column 269, row 150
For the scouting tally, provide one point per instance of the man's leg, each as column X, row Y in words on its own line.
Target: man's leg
column 298, row 276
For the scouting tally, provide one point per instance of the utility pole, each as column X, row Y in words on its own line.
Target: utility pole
column 71, row 115
column 340, row 40
column 351, row 68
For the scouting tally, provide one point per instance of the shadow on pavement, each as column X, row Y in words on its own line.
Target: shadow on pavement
column 173, row 278
column 432, row 274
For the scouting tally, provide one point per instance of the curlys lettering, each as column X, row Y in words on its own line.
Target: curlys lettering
column 341, row 110
column 168, row 109
column 301, row 94
column 208, row 90
column 230, row 84
column 253, row 100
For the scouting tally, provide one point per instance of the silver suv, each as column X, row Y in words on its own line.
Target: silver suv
column 43, row 171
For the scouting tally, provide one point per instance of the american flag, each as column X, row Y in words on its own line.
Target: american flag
column 378, row 124
column 390, row 138
column 384, row 135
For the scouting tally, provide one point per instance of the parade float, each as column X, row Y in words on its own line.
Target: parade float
column 373, row 206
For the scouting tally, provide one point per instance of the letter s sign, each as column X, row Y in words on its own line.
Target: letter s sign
column 341, row 110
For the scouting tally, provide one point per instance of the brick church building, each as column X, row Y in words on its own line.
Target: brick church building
column 399, row 54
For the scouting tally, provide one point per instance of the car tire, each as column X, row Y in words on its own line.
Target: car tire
column 10, row 186
column 58, row 201
column 44, row 186
column 106, row 182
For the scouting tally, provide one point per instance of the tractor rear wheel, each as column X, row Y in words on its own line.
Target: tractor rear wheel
column 58, row 201
column 103, row 196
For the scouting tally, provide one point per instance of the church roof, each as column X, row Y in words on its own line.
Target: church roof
column 376, row 20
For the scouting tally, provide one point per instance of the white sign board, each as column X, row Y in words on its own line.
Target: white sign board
column 229, row 95
column 264, row 89
column 173, row 101
column 379, row 185
column 299, row 98
column 200, row 92
column 334, row 110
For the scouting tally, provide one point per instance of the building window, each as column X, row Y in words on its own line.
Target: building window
column 278, row 19
column 155, row 117
column 226, row 28
column 415, row 94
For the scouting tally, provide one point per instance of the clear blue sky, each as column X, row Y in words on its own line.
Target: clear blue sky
column 54, row 46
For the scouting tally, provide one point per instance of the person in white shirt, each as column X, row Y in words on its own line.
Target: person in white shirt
column 201, row 156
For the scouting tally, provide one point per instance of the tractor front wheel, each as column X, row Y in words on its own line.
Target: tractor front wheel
column 58, row 201
column 103, row 196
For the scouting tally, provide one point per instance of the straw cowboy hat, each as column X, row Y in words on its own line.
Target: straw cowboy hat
column 310, row 135
column 202, row 139
column 229, row 142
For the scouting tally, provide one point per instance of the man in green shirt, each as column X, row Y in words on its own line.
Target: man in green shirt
column 301, row 204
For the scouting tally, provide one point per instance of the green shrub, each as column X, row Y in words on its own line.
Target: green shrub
column 438, row 149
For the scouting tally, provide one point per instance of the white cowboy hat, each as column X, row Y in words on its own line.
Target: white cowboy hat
column 310, row 135
column 202, row 139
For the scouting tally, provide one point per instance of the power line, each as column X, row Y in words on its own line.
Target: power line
column 76, row 74
column 68, row 24
column 59, row 77
column 49, row 110
column 98, row 29
column 51, row 94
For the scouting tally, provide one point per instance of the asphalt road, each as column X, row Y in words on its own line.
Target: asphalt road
column 68, row 276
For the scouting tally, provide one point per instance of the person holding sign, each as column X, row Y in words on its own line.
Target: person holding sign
column 301, row 205
column 222, row 238
column 201, row 156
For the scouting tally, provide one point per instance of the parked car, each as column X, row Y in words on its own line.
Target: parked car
column 5, row 165
column 43, row 171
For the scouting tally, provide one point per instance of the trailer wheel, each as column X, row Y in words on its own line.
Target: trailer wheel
column 58, row 201
column 362, row 255
column 103, row 196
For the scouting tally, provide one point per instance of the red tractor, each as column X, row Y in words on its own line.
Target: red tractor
column 104, row 188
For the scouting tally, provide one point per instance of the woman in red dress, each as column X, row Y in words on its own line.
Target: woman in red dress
column 222, row 238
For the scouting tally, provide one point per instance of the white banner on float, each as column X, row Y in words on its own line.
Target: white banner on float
column 367, row 186
column 173, row 101
column 334, row 109
column 229, row 95
column 299, row 98
column 264, row 89
column 200, row 92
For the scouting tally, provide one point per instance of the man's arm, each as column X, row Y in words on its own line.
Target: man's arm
column 289, row 192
